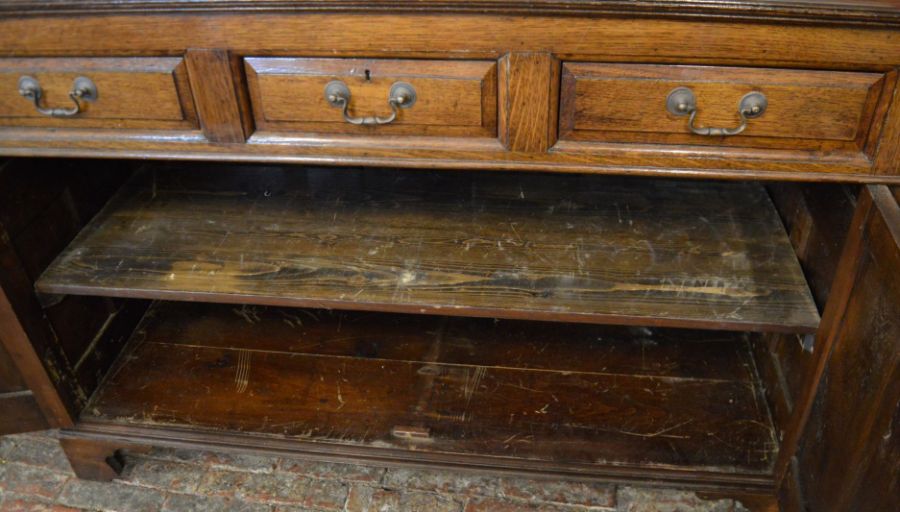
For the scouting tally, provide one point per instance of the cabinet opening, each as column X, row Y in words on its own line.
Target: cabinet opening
column 520, row 322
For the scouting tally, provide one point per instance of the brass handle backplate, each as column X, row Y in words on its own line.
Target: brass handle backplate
column 682, row 102
column 83, row 89
column 402, row 95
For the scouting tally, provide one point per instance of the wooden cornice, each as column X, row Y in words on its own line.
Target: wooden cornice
column 842, row 12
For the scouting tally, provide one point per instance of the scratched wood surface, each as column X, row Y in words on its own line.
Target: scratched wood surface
column 579, row 394
column 537, row 247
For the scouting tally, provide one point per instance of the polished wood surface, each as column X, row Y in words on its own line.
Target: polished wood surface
column 453, row 98
column 887, row 159
column 529, row 88
column 133, row 93
column 817, row 110
column 578, row 249
column 361, row 379
column 217, row 94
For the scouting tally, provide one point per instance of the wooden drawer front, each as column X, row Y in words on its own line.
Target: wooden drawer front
column 824, row 110
column 140, row 93
column 453, row 98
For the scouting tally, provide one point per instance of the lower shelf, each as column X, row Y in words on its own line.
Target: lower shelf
column 508, row 393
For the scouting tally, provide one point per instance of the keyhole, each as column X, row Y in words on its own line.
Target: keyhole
column 368, row 76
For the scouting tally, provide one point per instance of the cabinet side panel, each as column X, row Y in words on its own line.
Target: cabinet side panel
column 853, row 423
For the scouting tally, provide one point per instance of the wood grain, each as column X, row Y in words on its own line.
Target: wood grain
column 529, row 92
column 843, row 12
column 454, row 98
column 328, row 394
column 458, row 153
column 887, row 157
column 460, row 36
column 473, row 244
column 423, row 35
column 42, row 388
column 133, row 93
column 677, row 353
column 828, row 333
column 10, row 378
column 20, row 413
column 215, row 92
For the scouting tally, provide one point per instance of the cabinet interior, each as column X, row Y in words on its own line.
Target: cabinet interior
column 432, row 316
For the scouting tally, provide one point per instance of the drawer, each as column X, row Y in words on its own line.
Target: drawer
column 138, row 93
column 451, row 98
column 802, row 110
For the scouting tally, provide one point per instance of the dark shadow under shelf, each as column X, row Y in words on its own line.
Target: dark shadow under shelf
column 516, row 394
column 506, row 245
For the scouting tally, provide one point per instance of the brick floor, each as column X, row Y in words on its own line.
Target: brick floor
column 35, row 476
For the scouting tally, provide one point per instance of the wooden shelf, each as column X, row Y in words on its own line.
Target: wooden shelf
column 527, row 246
column 517, row 394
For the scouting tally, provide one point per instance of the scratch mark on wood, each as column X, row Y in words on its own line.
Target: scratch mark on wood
column 242, row 372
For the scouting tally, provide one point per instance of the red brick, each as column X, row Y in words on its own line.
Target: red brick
column 227, row 461
column 468, row 484
column 386, row 500
column 247, row 486
column 30, row 480
column 332, row 471
column 558, row 491
column 632, row 499
column 502, row 505
column 275, row 488
column 27, row 505
column 322, row 494
column 111, row 496
column 185, row 502
column 35, row 451
column 165, row 475
column 359, row 497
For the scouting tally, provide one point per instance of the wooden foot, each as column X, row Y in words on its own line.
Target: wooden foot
column 96, row 460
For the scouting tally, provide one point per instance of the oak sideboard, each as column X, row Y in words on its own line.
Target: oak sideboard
column 643, row 241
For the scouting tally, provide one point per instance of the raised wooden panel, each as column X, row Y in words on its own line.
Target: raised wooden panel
column 887, row 157
column 139, row 93
column 217, row 93
column 811, row 110
column 453, row 98
column 529, row 98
